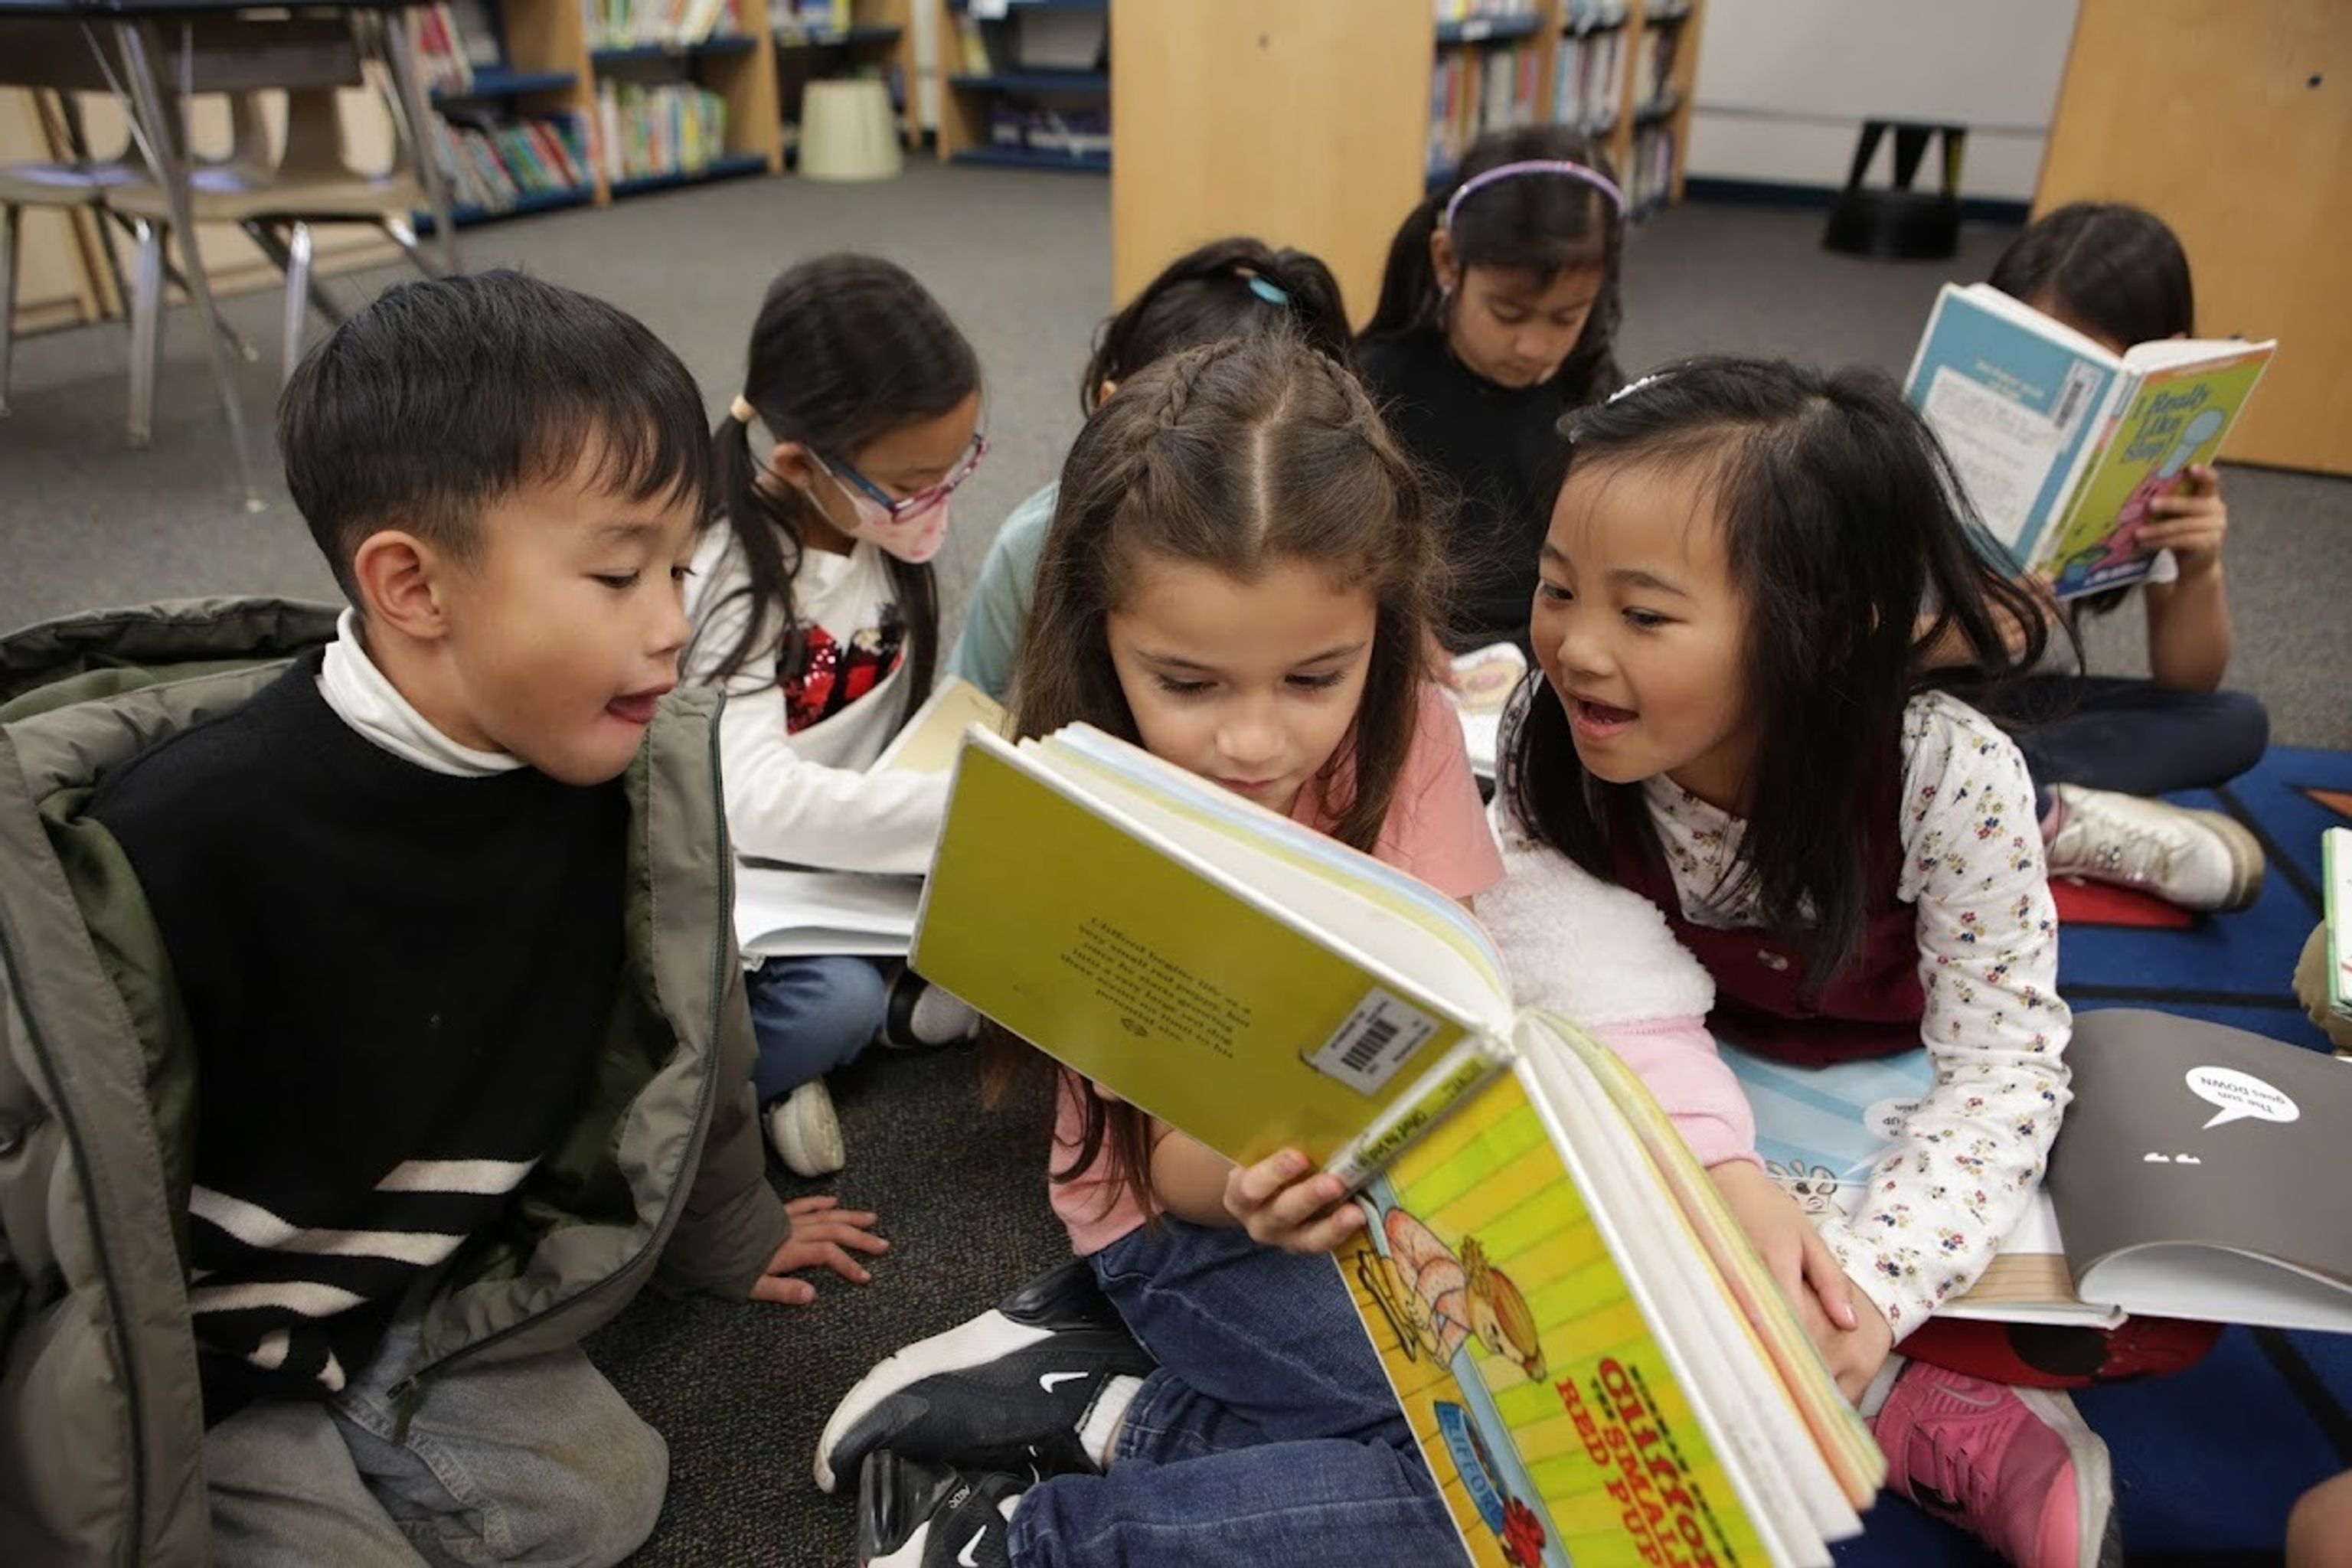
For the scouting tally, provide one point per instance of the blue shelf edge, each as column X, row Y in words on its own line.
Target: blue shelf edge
column 1031, row 158
column 536, row 202
column 734, row 44
column 491, row 84
column 1094, row 83
column 789, row 37
column 1487, row 29
column 721, row 168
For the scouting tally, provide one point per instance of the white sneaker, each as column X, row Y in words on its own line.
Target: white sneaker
column 805, row 1132
column 2197, row 859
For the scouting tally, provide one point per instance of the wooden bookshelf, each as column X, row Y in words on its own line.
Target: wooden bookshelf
column 968, row 97
column 1616, row 104
column 551, row 69
column 2252, row 182
column 1304, row 124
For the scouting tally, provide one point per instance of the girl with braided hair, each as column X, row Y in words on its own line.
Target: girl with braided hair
column 1231, row 288
column 1241, row 576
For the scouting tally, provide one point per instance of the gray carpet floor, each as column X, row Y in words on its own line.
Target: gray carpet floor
column 1022, row 260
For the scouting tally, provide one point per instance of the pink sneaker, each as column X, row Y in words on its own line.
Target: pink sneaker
column 2016, row 1468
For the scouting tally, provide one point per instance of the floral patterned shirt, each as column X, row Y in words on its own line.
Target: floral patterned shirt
column 1962, row 1169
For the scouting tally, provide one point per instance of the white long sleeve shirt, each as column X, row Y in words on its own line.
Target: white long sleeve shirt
column 799, row 795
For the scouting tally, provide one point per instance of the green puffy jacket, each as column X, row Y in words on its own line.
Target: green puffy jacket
column 100, row 1417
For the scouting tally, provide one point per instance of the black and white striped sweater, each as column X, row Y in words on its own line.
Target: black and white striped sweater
column 396, row 981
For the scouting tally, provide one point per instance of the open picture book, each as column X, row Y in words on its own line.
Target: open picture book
column 2175, row 1188
column 2061, row 446
column 1592, row 1358
column 795, row 911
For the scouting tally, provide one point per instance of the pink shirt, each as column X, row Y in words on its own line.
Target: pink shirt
column 1436, row 830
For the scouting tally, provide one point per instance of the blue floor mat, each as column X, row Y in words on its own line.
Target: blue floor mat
column 2206, row 1463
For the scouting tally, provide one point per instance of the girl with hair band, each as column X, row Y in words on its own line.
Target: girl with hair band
column 1498, row 315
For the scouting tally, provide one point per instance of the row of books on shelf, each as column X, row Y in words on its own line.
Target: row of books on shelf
column 670, row 24
column 1659, row 47
column 1588, row 80
column 1073, row 133
column 1578, row 14
column 1472, row 94
column 453, row 40
column 495, row 163
column 810, row 16
column 1650, row 170
column 1482, row 10
column 665, row 128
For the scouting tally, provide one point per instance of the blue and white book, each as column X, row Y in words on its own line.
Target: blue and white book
column 2061, row 446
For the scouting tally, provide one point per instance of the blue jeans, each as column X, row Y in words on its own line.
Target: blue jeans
column 2133, row 737
column 811, row 1016
column 1267, row 1434
column 535, row 1460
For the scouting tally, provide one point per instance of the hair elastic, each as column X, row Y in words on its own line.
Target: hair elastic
column 1594, row 177
column 741, row 411
column 1270, row 292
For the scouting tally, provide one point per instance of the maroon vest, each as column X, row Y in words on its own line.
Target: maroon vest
column 1871, row 1009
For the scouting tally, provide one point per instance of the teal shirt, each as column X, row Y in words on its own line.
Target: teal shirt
column 990, row 644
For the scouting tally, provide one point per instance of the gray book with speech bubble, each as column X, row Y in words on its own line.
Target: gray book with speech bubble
column 2199, row 1174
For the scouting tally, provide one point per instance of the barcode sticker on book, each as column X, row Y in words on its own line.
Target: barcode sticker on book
column 2074, row 398
column 1380, row 1034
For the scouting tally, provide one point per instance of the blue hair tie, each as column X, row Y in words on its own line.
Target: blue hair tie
column 1267, row 291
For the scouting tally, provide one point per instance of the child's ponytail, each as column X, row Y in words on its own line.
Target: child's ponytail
column 1410, row 296
column 1231, row 288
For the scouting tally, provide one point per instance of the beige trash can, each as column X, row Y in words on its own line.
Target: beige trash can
column 848, row 131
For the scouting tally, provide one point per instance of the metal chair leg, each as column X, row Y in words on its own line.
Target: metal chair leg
column 403, row 235
column 7, row 299
column 298, row 291
column 124, row 287
column 146, row 328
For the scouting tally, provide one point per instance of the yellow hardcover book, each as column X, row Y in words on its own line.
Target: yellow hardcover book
column 1592, row 1358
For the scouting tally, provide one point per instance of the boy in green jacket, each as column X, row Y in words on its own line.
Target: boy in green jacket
column 448, row 940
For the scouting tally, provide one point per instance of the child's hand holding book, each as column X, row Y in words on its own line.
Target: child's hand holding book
column 2191, row 522
column 1854, row 1344
column 1285, row 1201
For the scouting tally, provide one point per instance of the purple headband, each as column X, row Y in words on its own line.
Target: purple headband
column 1594, row 177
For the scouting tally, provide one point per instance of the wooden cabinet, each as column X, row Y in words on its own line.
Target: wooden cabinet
column 2233, row 123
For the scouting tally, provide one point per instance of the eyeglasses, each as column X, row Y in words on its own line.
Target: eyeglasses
column 923, row 501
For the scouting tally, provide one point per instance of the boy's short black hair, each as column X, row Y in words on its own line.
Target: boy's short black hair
column 443, row 397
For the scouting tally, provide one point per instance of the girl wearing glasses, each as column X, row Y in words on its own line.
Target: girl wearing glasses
column 814, row 606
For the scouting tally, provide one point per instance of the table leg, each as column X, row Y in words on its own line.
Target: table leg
column 161, row 139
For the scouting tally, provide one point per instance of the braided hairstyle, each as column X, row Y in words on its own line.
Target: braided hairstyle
column 1241, row 455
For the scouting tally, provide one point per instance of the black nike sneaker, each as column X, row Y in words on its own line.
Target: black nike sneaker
column 1005, row 1391
column 915, row 1515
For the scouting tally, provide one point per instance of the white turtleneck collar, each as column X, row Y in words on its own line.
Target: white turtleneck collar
column 363, row 698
